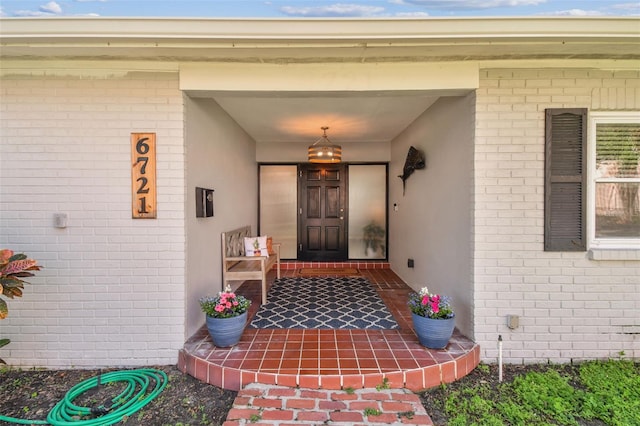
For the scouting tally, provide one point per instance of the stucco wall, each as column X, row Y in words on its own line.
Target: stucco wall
column 111, row 291
column 433, row 222
column 570, row 307
column 220, row 156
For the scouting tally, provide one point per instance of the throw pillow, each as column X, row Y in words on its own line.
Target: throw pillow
column 256, row 246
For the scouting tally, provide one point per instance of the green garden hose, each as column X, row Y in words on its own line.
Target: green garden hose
column 136, row 395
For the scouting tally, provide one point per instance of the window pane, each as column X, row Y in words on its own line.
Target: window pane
column 278, row 206
column 367, row 212
column 618, row 210
column 617, row 150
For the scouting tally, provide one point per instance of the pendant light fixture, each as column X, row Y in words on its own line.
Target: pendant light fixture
column 323, row 151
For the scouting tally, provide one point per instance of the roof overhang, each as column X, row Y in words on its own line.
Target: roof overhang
column 320, row 40
column 371, row 77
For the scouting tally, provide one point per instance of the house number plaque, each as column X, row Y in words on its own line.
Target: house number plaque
column 143, row 175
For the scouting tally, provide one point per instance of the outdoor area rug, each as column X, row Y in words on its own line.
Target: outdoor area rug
column 324, row 302
column 314, row 272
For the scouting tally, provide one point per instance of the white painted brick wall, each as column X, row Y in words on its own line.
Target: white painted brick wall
column 112, row 288
column 570, row 307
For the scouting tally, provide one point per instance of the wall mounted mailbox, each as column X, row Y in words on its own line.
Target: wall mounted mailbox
column 204, row 202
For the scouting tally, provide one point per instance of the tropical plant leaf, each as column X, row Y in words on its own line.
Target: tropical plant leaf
column 4, row 309
column 14, row 284
column 3, row 342
column 5, row 255
column 13, row 268
column 17, row 256
column 22, row 274
column 17, row 266
column 11, row 292
column 11, row 282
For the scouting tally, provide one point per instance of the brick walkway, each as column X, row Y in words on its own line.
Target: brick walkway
column 272, row 405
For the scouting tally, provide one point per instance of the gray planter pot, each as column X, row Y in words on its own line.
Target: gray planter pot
column 226, row 331
column 433, row 333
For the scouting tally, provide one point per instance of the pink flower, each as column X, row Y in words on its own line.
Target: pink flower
column 219, row 308
column 235, row 303
column 435, row 303
column 425, row 299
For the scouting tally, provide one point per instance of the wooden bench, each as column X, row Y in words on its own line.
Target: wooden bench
column 238, row 267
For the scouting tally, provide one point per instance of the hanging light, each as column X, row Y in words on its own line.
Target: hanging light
column 323, row 151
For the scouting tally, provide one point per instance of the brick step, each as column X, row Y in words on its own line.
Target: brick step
column 296, row 264
column 272, row 405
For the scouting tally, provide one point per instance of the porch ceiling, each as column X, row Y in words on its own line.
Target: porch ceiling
column 350, row 118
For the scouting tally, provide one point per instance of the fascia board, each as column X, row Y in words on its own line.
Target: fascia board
column 265, row 31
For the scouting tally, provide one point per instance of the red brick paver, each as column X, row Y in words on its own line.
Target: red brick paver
column 330, row 377
column 331, row 359
column 296, row 406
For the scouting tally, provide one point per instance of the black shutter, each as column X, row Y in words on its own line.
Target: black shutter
column 565, row 179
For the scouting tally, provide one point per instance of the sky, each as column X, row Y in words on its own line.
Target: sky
column 316, row 8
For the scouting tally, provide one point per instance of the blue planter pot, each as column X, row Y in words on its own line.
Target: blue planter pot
column 433, row 333
column 226, row 331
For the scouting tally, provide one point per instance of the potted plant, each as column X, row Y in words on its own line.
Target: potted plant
column 433, row 318
column 374, row 239
column 13, row 268
column 226, row 316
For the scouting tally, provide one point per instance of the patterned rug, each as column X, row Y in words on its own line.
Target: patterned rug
column 329, row 303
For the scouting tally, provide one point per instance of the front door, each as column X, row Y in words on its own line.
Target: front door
column 322, row 235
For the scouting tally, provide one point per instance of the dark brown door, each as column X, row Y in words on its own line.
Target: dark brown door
column 323, row 213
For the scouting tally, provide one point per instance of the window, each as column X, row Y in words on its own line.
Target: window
column 279, row 206
column 614, row 180
column 368, row 211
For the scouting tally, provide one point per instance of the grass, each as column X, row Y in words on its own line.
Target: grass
column 603, row 392
column 372, row 412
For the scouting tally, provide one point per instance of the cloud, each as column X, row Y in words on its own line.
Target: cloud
column 334, row 10
column 574, row 12
column 627, row 7
column 470, row 4
column 50, row 9
column 411, row 14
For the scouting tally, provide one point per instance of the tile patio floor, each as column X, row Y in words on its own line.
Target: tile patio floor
column 331, row 359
